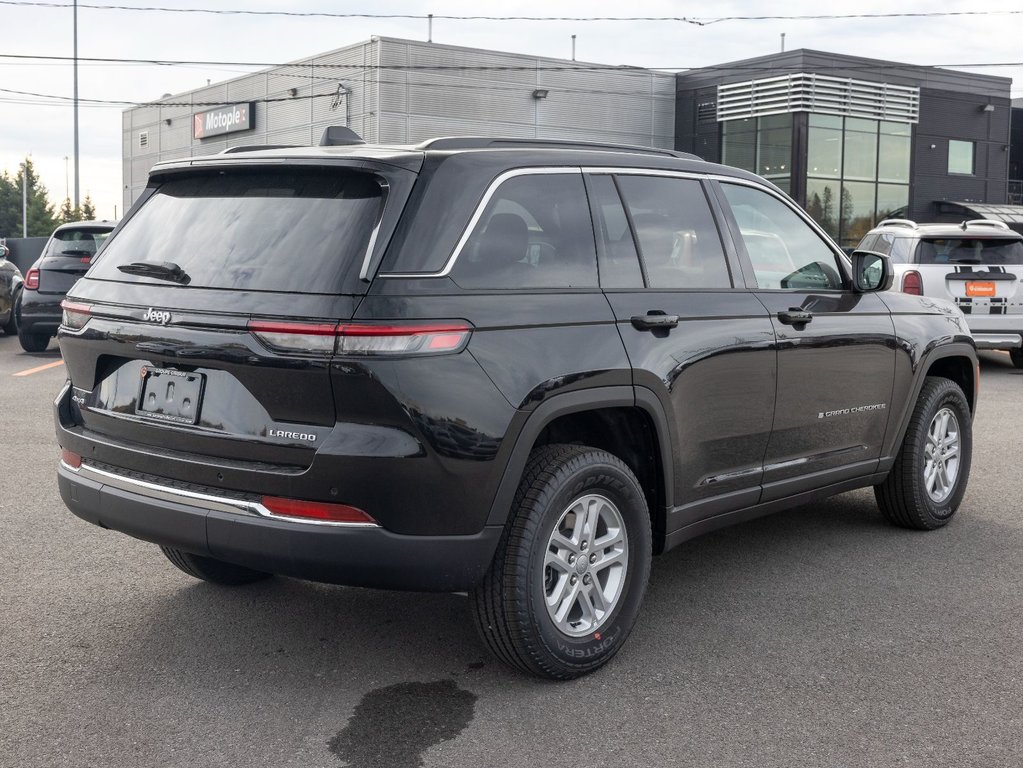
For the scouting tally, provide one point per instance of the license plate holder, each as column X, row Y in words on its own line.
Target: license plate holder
column 169, row 395
column 980, row 288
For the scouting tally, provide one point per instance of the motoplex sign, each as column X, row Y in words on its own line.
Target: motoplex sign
column 229, row 119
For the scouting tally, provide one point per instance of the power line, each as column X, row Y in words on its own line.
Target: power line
column 533, row 67
column 695, row 20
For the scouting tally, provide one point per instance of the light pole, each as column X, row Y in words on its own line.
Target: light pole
column 76, row 100
column 24, row 199
column 67, row 185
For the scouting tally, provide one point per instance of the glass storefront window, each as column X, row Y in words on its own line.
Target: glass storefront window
column 860, row 155
column 892, row 199
column 856, row 212
column 824, row 153
column 822, row 204
column 893, row 158
column 739, row 144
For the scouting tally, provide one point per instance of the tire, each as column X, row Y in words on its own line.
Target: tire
column 213, row 571
column 914, row 495
column 33, row 342
column 1017, row 357
column 510, row 604
column 11, row 327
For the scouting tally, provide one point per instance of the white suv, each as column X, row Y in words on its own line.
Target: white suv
column 977, row 264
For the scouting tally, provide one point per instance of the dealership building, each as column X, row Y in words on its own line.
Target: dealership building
column 853, row 140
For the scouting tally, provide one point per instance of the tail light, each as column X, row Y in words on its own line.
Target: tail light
column 75, row 316
column 316, row 511
column 32, row 280
column 359, row 339
column 912, row 283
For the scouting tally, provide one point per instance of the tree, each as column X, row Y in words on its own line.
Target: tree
column 88, row 209
column 67, row 213
column 41, row 217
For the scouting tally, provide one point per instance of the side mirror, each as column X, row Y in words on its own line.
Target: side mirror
column 871, row 272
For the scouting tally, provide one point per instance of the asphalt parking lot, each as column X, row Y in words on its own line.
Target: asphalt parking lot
column 816, row 637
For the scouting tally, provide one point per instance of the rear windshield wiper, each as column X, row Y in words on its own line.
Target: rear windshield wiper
column 74, row 252
column 161, row 270
column 967, row 260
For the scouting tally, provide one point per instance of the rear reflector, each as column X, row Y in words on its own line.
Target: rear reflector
column 75, row 316
column 32, row 280
column 359, row 339
column 73, row 460
column 316, row 510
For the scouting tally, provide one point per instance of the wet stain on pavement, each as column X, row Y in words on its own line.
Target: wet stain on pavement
column 392, row 727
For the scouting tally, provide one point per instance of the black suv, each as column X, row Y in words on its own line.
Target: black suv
column 517, row 369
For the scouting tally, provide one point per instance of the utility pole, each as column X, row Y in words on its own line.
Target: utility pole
column 24, row 199
column 76, row 101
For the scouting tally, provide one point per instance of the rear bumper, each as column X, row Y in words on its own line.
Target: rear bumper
column 235, row 531
column 996, row 331
column 40, row 312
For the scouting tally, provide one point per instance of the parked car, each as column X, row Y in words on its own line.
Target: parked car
column 10, row 288
column 977, row 264
column 66, row 256
column 512, row 368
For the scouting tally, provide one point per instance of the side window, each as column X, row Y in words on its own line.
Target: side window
column 616, row 251
column 784, row 251
column 536, row 232
column 676, row 233
column 868, row 243
column 883, row 244
column 901, row 251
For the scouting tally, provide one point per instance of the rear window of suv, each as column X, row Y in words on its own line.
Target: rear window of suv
column 77, row 242
column 969, row 250
column 295, row 231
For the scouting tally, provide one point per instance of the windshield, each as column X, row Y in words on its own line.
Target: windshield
column 295, row 230
column 970, row 250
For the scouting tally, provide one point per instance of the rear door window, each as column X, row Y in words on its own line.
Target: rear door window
column 295, row 230
column 969, row 250
column 678, row 239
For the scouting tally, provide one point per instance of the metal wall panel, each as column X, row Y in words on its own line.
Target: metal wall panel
column 393, row 128
column 421, row 128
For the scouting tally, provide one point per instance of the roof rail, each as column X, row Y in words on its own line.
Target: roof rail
column 984, row 223
column 897, row 223
column 489, row 142
column 254, row 148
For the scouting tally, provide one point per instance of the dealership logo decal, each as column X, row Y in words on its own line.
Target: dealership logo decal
column 234, row 117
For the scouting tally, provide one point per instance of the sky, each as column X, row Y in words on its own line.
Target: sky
column 41, row 126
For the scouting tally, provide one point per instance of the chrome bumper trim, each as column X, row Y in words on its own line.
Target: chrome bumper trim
column 998, row 340
column 194, row 499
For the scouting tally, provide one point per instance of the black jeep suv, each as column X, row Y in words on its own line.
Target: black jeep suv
column 513, row 368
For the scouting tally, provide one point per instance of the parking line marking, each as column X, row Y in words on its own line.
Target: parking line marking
column 39, row 368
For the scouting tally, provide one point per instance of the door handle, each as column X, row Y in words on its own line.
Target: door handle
column 654, row 320
column 795, row 316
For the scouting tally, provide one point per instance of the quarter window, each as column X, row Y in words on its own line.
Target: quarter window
column 784, row 251
column 678, row 239
column 534, row 233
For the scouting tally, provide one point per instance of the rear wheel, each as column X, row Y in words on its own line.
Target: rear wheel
column 566, row 583
column 928, row 480
column 33, row 342
column 214, row 571
column 1017, row 357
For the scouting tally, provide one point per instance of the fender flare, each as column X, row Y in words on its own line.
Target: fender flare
column 962, row 349
column 532, row 423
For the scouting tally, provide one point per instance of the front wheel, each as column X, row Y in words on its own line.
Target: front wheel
column 566, row 583
column 33, row 342
column 928, row 480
